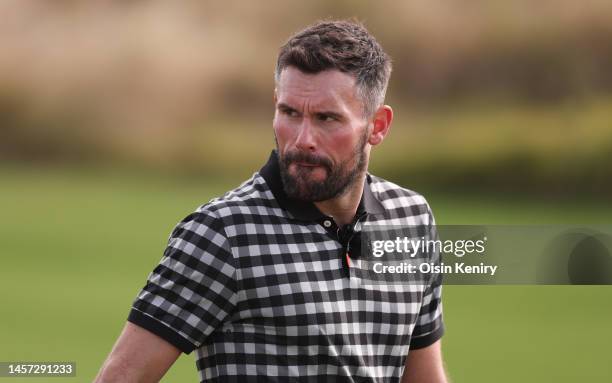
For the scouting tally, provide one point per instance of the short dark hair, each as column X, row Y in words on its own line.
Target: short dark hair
column 345, row 45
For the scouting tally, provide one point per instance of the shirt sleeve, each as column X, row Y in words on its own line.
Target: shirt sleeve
column 193, row 288
column 430, row 326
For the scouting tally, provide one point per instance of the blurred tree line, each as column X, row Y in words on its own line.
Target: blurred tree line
column 508, row 96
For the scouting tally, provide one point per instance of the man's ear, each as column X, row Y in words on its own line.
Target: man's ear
column 381, row 125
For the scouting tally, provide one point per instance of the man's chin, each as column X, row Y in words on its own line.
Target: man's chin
column 302, row 190
column 304, row 187
column 308, row 179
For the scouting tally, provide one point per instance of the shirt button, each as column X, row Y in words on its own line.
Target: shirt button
column 327, row 223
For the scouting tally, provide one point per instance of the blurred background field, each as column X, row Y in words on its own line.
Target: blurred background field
column 119, row 118
column 490, row 95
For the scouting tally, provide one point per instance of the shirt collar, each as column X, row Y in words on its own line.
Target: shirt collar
column 307, row 211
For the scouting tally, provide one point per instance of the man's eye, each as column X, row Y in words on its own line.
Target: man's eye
column 289, row 112
column 326, row 118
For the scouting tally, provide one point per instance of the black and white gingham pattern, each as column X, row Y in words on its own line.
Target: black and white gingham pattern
column 258, row 286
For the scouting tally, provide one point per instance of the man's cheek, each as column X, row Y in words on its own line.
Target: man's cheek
column 283, row 136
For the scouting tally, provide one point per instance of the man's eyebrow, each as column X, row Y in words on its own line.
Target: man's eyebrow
column 330, row 114
column 283, row 106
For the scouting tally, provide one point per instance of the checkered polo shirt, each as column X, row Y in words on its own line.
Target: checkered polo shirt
column 258, row 285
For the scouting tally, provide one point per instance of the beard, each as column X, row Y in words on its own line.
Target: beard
column 338, row 178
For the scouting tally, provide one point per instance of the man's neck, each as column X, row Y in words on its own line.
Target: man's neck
column 344, row 207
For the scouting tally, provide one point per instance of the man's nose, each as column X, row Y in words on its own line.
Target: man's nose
column 305, row 140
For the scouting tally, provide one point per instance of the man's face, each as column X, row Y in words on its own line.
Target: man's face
column 321, row 133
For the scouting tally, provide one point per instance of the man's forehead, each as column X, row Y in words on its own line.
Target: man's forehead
column 330, row 87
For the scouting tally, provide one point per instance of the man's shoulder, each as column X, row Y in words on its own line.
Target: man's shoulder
column 252, row 197
column 392, row 193
column 399, row 201
column 250, row 203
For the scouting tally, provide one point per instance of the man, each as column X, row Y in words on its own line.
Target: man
column 259, row 281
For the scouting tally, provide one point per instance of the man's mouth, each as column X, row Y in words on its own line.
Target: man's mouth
column 307, row 164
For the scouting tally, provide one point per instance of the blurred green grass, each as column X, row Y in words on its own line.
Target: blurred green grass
column 77, row 245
